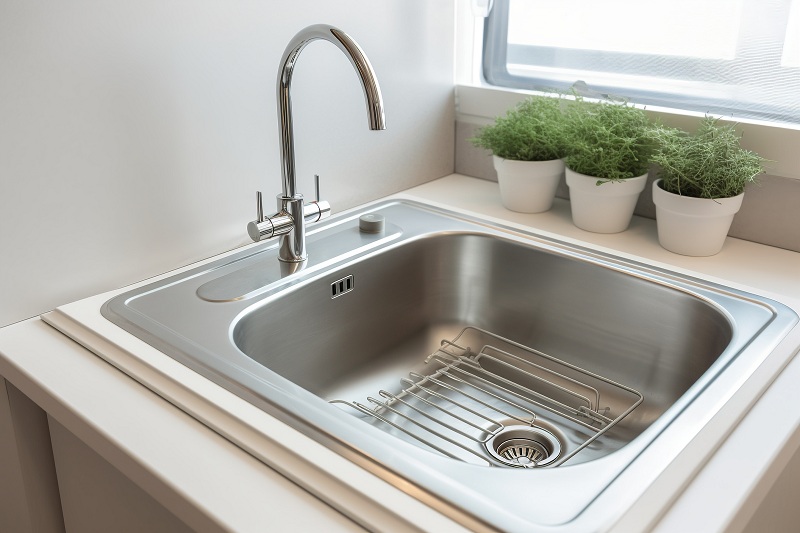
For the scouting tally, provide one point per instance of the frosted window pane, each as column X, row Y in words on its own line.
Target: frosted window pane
column 664, row 27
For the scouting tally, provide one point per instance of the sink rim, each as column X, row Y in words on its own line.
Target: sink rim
column 528, row 239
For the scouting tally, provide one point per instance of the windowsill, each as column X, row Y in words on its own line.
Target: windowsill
column 777, row 143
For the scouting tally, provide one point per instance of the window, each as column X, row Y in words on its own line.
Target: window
column 737, row 58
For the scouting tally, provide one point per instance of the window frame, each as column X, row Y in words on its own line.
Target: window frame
column 495, row 72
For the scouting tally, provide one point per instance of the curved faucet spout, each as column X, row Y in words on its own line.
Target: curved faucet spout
column 369, row 82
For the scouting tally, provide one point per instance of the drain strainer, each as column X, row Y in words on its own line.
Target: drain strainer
column 524, row 447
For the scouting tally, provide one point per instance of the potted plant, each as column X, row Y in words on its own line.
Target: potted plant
column 610, row 144
column 701, row 186
column 527, row 145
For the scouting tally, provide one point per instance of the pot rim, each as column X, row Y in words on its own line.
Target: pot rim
column 657, row 186
column 502, row 161
column 693, row 206
column 588, row 184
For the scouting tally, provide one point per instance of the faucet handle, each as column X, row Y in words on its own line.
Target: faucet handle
column 259, row 208
column 318, row 209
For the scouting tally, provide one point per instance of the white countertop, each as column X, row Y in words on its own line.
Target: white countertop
column 66, row 380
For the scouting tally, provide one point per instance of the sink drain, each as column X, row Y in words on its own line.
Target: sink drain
column 524, row 447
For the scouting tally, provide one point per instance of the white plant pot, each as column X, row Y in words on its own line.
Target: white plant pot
column 604, row 208
column 528, row 186
column 693, row 226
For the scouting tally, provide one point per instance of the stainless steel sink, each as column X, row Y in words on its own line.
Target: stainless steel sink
column 503, row 378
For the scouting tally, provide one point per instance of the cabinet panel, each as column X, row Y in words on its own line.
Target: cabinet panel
column 97, row 497
column 29, row 498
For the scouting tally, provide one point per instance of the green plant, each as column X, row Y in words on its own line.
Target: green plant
column 532, row 131
column 709, row 164
column 608, row 140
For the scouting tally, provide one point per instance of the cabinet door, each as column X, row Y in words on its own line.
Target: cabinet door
column 29, row 498
column 98, row 498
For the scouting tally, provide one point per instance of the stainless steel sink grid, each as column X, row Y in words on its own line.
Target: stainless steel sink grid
column 470, row 398
column 543, row 452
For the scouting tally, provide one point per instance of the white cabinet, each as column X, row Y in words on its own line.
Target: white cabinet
column 29, row 498
column 96, row 497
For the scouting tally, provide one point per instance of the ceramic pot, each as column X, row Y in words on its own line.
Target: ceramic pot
column 528, row 186
column 693, row 226
column 604, row 208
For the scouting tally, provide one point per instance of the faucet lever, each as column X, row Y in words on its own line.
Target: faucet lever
column 259, row 208
column 283, row 222
column 316, row 188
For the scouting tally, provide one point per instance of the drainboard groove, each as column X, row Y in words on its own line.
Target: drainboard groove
column 481, row 407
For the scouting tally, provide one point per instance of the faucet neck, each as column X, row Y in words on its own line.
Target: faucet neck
column 366, row 74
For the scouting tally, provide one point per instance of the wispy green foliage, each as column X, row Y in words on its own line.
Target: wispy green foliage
column 532, row 131
column 709, row 164
column 609, row 140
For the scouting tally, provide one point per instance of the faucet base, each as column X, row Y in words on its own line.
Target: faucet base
column 293, row 243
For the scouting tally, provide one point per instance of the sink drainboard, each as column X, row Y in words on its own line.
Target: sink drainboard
column 504, row 404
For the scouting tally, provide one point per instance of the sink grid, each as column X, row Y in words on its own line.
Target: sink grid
column 470, row 400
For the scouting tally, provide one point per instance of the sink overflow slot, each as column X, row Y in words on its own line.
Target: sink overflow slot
column 342, row 286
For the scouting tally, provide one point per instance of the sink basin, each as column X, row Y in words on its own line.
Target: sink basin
column 503, row 378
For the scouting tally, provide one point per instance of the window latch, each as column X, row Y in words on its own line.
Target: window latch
column 481, row 8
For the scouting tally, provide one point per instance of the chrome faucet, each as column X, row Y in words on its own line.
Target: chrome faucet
column 290, row 220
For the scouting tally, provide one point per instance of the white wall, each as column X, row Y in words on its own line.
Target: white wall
column 133, row 135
